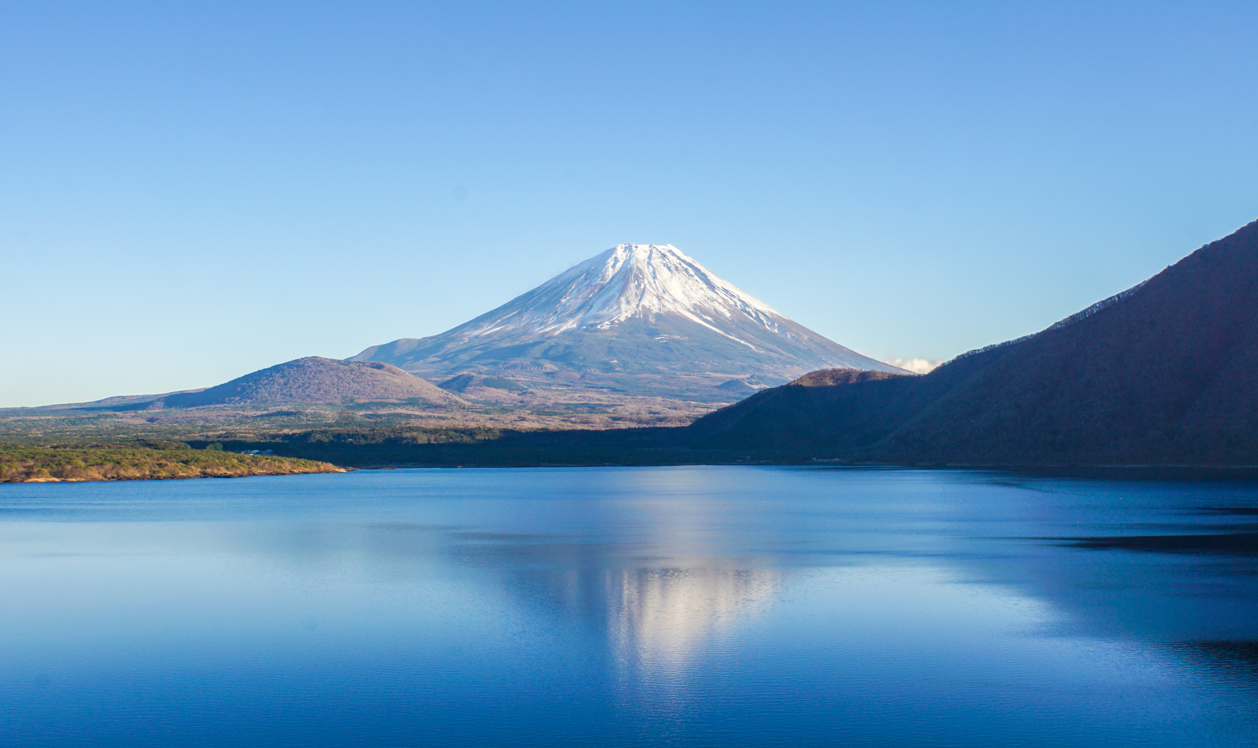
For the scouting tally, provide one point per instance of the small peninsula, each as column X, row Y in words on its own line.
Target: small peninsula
column 76, row 464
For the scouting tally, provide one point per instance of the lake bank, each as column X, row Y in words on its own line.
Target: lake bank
column 81, row 464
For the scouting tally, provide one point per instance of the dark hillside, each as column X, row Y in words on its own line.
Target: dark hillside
column 819, row 412
column 1162, row 374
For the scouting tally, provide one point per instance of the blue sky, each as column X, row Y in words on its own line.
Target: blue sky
column 192, row 191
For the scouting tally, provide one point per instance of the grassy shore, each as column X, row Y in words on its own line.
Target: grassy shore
column 45, row 465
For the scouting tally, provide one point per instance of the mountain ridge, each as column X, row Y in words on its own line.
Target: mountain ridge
column 1159, row 373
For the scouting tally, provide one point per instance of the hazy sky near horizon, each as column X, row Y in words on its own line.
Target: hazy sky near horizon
column 192, row 191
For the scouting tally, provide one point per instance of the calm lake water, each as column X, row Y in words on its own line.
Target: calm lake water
column 622, row 607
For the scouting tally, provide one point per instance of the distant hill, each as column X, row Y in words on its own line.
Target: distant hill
column 737, row 388
column 829, row 412
column 464, row 382
column 1164, row 373
column 639, row 318
column 316, row 380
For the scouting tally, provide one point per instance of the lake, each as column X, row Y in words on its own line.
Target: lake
column 684, row 606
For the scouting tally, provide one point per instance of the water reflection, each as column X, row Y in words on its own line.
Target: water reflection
column 656, row 605
column 691, row 606
column 1227, row 659
column 661, row 617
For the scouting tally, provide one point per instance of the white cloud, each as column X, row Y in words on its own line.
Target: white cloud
column 918, row 365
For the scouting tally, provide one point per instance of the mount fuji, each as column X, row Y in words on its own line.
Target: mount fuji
column 638, row 318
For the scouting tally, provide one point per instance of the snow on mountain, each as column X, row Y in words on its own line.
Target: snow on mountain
column 633, row 314
column 629, row 280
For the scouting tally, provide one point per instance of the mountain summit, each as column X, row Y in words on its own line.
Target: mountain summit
column 628, row 281
column 636, row 317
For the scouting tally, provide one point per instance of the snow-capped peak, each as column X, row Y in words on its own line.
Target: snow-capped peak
column 628, row 280
column 644, row 308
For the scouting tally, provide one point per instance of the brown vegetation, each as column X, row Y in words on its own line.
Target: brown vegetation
column 36, row 465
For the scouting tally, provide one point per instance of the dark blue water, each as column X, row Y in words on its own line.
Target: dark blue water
column 623, row 607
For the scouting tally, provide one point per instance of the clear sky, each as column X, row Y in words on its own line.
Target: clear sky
column 192, row 191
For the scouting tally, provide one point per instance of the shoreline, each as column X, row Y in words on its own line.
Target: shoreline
column 99, row 464
column 28, row 481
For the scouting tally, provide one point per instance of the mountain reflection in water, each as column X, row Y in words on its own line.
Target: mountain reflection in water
column 656, row 612
column 663, row 615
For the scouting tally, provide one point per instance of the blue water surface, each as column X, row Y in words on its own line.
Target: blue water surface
column 683, row 606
